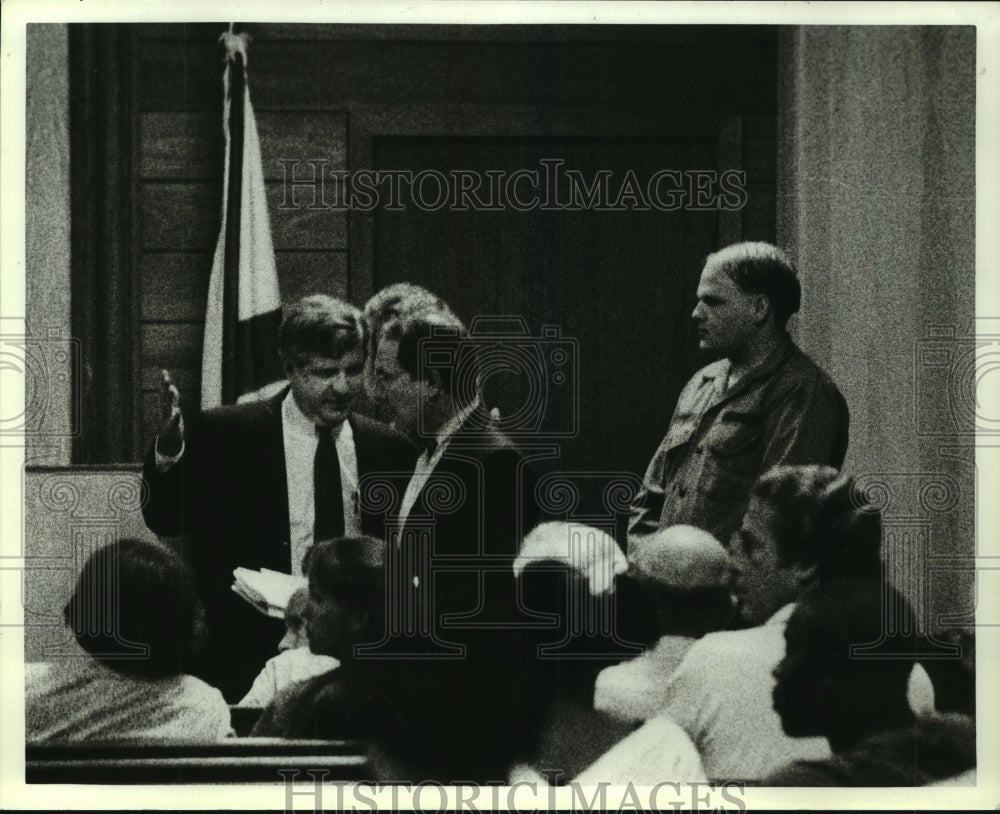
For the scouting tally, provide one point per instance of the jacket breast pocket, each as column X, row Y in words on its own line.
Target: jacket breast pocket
column 733, row 449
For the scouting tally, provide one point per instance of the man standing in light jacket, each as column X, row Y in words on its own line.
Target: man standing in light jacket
column 763, row 403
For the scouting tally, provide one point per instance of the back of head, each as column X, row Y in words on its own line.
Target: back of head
column 135, row 610
column 353, row 570
column 682, row 556
column 865, row 626
column 320, row 325
column 686, row 575
column 761, row 268
column 823, row 520
column 850, row 648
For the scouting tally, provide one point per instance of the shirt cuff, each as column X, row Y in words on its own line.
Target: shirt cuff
column 164, row 463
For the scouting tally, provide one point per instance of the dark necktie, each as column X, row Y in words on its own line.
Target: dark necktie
column 327, row 497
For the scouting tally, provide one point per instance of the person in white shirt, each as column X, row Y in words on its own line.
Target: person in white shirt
column 294, row 662
column 844, row 677
column 137, row 624
column 256, row 484
column 803, row 523
column 685, row 575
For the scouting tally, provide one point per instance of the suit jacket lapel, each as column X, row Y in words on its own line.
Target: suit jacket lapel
column 272, row 467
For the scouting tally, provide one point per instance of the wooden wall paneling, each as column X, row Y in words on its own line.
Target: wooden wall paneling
column 186, row 75
column 336, row 92
column 191, row 145
column 704, row 35
column 174, row 285
column 595, row 76
column 180, row 144
column 186, row 215
column 175, row 346
column 301, row 273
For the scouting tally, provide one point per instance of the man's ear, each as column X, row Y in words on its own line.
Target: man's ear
column 761, row 308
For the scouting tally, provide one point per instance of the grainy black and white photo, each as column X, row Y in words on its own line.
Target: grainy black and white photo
column 486, row 405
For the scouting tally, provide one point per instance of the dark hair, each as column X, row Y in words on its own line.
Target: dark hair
column 396, row 300
column 135, row 610
column 352, row 569
column 865, row 624
column 760, row 268
column 822, row 519
column 451, row 358
column 686, row 611
column 565, row 656
column 320, row 325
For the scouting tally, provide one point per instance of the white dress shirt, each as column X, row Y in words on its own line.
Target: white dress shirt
column 285, row 669
column 721, row 696
column 300, row 442
column 636, row 689
column 427, row 461
column 299, row 435
column 78, row 698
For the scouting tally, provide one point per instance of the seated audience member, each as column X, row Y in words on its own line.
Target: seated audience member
column 566, row 574
column 686, row 574
column 800, row 522
column 661, row 752
column 858, row 700
column 137, row 618
column 294, row 662
column 954, row 678
column 423, row 718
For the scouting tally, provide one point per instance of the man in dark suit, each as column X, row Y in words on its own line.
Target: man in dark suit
column 471, row 498
column 461, row 521
column 254, row 485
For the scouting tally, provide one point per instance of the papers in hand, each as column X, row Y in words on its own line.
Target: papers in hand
column 268, row 591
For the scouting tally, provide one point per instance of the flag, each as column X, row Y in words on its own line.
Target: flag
column 240, row 353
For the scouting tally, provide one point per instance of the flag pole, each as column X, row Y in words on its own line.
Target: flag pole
column 240, row 351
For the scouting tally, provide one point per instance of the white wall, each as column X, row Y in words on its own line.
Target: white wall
column 877, row 206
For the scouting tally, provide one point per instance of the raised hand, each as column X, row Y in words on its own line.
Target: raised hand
column 171, row 437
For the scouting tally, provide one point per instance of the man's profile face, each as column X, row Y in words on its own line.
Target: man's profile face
column 396, row 394
column 325, row 388
column 762, row 585
column 725, row 314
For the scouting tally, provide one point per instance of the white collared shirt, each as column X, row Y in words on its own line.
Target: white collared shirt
column 426, row 462
column 299, row 436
